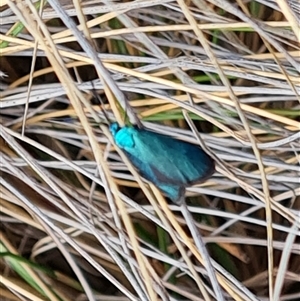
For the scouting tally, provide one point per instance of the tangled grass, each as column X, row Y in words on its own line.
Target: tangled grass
column 77, row 221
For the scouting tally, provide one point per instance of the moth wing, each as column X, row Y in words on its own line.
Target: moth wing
column 169, row 163
column 175, row 161
column 174, row 190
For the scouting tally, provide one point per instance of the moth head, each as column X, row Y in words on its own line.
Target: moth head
column 114, row 128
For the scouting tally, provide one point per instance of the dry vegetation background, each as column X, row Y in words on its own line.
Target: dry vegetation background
column 77, row 223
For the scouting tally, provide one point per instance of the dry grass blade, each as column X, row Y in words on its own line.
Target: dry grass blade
column 77, row 220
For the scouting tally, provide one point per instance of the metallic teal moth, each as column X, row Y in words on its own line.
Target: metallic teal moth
column 168, row 163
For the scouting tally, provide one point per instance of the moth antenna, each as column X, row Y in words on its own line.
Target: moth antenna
column 127, row 107
column 191, row 100
column 136, row 119
column 101, row 103
column 138, row 122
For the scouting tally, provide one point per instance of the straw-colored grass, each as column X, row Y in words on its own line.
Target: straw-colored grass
column 77, row 221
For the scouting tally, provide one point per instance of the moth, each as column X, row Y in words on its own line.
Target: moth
column 170, row 164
